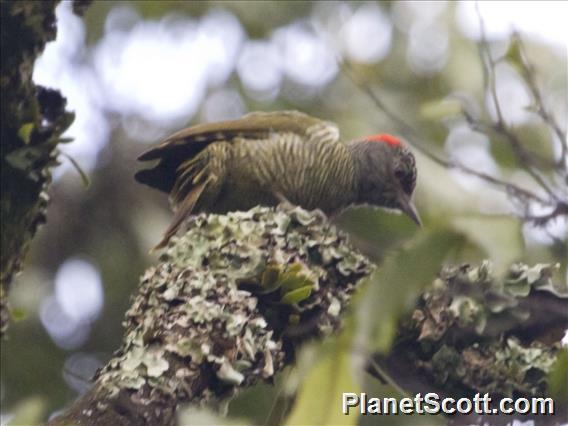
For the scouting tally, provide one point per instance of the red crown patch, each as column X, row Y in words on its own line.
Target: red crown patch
column 385, row 138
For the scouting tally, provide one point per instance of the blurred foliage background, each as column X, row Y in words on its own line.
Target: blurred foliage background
column 134, row 72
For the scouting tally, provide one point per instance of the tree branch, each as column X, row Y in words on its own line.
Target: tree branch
column 500, row 127
column 472, row 332
column 529, row 74
column 225, row 308
column 232, row 299
column 533, row 163
column 412, row 137
column 32, row 120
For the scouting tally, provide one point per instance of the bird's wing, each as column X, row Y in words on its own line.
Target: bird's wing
column 185, row 144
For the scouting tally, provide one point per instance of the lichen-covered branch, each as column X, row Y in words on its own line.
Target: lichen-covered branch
column 472, row 332
column 225, row 308
column 232, row 298
column 32, row 120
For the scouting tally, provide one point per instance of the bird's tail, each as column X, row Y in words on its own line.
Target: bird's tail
column 183, row 211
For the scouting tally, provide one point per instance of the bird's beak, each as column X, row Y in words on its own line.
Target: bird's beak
column 407, row 207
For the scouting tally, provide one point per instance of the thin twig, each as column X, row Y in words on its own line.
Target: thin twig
column 533, row 163
column 500, row 126
column 529, row 75
column 380, row 372
column 484, row 127
column 488, row 65
column 412, row 138
column 561, row 209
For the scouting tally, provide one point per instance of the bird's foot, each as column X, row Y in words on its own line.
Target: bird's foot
column 286, row 206
column 283, row 202
column 320, row 213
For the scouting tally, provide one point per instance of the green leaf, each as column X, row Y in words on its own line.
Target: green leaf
column 295, row 277
column 534, row 138
column 502, row 152
column 440, row 109
column 64, row 121
column 319, row 401
column 558, row 377
column 29, row 411
column 291, row 278
column 25, row 132
column 24, row 158
column 296, row 296
column 389, row 389
column 513, row 55
column 499, row 237
column 18, row 314
column 295, row 282
column 392, row 289
column 269, row 280
column 380, row 228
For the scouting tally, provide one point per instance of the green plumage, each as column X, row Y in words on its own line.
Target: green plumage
column 247, row 172
column 266, row 158
column 261, row 158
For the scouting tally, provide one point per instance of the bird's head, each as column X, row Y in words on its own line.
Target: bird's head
column 386, row 173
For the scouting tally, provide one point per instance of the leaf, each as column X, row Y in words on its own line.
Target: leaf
column 18, row 314
column 64, row 121
column 319, row 401
column 25, row 132
column 389, row 389
column 440, row 109
column 513, row 55
column 498, row 236
column 393, row 288
column 558, row 377
column 269, row 281
column 295, row 277
column 380, row 228
column 296, row 296
column 534, row 138
column 502, row 152
column 30, row 411
column 24, row 158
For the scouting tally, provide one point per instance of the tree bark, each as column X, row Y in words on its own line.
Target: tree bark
column 225, row 308
column 32, row 120
column 230, row 301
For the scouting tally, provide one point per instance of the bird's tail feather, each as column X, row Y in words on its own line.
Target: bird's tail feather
column 183, row 211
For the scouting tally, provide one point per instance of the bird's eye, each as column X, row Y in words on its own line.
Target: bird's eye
column 399, row 174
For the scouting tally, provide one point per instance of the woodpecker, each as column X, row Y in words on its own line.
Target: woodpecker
column 264, row 158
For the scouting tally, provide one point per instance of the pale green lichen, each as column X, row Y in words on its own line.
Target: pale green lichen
column 223, row 298
column 465, row 326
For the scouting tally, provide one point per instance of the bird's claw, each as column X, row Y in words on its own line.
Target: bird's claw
column 286, row 206
column 320, row 213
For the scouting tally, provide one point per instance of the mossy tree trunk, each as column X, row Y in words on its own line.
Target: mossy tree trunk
column 32, row 121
